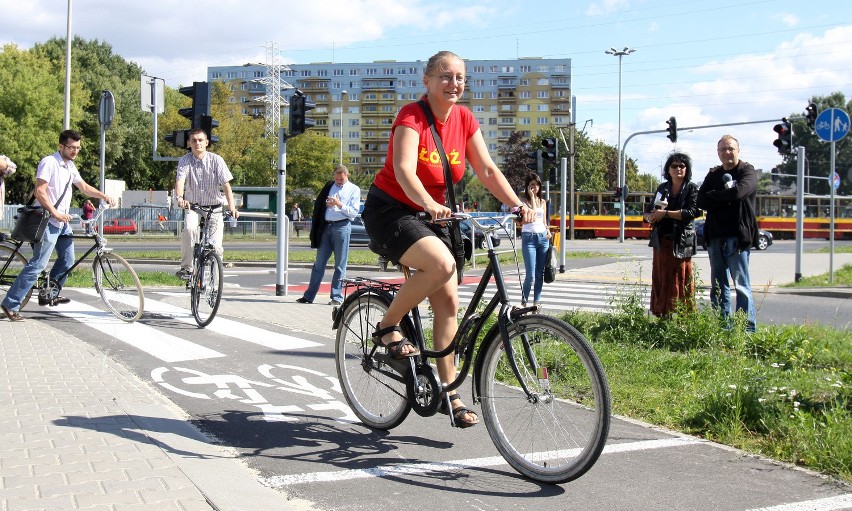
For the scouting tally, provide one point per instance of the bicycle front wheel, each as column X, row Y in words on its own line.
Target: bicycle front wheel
column 556, row 433
column 372, row 382
column 119, row 286
column 11, row 264
column 206, row 291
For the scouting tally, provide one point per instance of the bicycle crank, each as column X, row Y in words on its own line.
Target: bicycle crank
column 423, row 389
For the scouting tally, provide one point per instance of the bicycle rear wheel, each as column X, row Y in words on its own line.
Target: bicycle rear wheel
column 10, row 272
column 119, row 286
column 556, row 434
column 206, row 291
column 373, row 383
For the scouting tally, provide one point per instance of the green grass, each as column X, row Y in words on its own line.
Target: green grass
column 784, row 392
column 842, row 277
column 83, row 278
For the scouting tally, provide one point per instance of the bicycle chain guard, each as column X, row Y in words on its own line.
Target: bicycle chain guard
column 423, row 389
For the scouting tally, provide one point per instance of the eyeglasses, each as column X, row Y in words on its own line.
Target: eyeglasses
column 677, row 166
column 447, row 78
column 74, row 148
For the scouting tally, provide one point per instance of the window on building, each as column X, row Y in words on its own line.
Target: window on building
column 478, row 108
column 478, row 95
column 322, row 72
column 542, row 121
column 216, row 75
column 543, row 81
column 492, row 121
column 232, row 75
column 478, row 69
column 543, row 107
column 353, row 72
column 524, row 69
column 338, row 72
column 305, row 72
column 523, row 108
column 542, row 94
column 524, row 94
column 371, row 71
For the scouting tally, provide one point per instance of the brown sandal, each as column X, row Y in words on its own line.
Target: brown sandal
column 12, row 315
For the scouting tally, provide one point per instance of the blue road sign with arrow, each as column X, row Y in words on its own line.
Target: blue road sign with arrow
column 832, row 124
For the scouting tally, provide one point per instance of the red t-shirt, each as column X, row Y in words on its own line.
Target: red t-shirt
column 454, row 135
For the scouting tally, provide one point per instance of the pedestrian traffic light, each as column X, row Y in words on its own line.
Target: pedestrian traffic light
column 199, row 92
column 672, row 129
column 811, row 115
column 538, row 165
column 784, row 143
column 299, row 107
column 207, row 124
column 551, row 151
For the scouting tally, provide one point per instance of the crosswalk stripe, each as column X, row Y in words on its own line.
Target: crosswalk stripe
column 228, row 327
column 156, row 343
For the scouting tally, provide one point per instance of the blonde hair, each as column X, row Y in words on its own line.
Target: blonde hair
column 436, row 60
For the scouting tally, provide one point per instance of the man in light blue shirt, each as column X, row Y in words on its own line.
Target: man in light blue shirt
column 334, row 209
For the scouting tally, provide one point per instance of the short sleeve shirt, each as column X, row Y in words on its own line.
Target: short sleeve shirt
column 59, row 174
column 203, row 178
column 455, row 133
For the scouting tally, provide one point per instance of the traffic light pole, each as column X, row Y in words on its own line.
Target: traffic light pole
column 621, row 163
column 282, row 221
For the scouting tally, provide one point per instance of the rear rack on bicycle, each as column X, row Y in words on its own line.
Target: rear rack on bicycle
column 364, row 283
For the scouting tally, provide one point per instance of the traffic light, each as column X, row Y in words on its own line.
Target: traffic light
column 785, row 137
column 811, row 115
column 199, row 92
column 299, row 107
column 207, row 124
column 672, row 129
column 551, row 151
column 773, row 175
column 538, row 165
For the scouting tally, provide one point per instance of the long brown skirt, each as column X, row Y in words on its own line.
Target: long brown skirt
column 671, row 281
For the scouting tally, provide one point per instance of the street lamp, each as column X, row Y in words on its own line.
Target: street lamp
column 622, row 178
column 342, row 106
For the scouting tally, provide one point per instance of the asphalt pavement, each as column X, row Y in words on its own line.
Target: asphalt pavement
column 78, row 430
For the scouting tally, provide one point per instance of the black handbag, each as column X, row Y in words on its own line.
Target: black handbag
column 31, row 221
column 456, row 237
column 549, row 266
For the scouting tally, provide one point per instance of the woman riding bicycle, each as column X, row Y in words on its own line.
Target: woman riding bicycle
column 412, row 180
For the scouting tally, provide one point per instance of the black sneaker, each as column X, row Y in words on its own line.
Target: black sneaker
column 303, row 300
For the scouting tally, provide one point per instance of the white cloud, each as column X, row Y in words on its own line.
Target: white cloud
column 791, row 20
column 606, row 7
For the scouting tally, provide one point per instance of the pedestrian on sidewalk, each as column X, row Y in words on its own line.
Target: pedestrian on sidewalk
column 728, row 195
column 202, row 178
column 296, row 217
column 88, row 214
column 673, row 237
column 7, row 168
column 336, row 206
column 54, row 177
column 535, row 240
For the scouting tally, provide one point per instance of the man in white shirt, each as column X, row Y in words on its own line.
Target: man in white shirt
column 335, row 208
column 54, row 177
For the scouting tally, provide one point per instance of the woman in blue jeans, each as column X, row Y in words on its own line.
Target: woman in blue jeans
column 535, row 240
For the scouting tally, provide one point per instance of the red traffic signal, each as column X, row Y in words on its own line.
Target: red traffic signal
column 784, row 143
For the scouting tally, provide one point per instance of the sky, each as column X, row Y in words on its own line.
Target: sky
column 705, row 62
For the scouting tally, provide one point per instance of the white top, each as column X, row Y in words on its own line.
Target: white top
column 538, row 226
column 59, row 174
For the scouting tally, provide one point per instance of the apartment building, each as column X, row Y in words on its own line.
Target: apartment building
column 357, row 102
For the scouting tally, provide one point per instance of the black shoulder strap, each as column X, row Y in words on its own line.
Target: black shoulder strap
column 32, row 199
column 448, row 175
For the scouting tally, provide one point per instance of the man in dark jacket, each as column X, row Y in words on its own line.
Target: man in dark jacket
column 728, row 194
column 335, row 207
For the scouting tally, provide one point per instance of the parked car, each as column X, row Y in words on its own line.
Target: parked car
column 764, row 238
column 480, row 237
column 119, row 226
column 358, row 236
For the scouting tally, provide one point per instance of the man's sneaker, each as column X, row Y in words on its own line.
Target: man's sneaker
column 183, row 273
column 56, row 301
column 303, row 300
column 335, row 302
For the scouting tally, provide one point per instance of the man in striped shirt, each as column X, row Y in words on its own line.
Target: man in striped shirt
column 202, row 178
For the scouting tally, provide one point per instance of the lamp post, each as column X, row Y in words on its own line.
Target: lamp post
column 342, row 106
column 622, row 178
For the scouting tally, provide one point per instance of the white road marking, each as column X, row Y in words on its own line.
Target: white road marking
column 419, row 468
column 156, row 343
column 827, row 504
column 224, row 326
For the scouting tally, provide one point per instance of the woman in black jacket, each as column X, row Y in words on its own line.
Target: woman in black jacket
column 673, row 238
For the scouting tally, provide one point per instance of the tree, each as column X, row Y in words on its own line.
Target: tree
column 818, row 153
column 310, row 162
column 514, row 164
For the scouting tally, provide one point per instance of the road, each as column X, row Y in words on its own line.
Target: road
column 261, row 380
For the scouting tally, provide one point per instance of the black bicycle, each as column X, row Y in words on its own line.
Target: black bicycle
column 115, row 280
column 205, row 281
column 544, row 394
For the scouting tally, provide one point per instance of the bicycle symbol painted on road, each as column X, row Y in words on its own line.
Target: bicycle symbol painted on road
column 324, row 397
